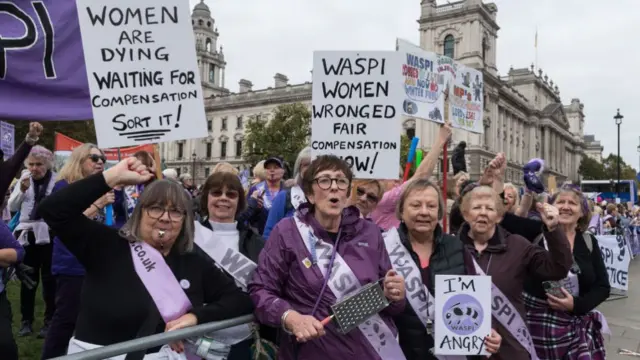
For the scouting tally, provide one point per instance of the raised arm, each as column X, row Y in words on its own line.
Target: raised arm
column 11, row 167
column 425, row 170
column 555, row 263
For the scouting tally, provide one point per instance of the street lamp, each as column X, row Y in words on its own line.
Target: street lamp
column 193, row 166
column 618, row 119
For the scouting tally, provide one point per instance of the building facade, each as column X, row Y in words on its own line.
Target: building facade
column 593, row 148
column 524, row 115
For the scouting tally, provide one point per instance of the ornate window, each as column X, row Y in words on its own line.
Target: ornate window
column 212, row 73
column 449, row 46
column 485, row 47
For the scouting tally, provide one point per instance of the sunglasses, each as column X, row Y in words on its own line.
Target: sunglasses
column 95, row 158
column 370, row 197
column 230, row 194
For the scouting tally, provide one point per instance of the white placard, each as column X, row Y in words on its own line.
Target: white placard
column 463, row 314
column 617, row 258
column 357, row 99
column 142, row 71
column 425, row 80
column 466, row 99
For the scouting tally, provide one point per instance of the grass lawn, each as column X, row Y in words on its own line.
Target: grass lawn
column 29, row 347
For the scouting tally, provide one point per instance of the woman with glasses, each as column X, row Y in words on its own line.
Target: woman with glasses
column 233, row 247
column 145, row 278
column 84, row 161
column 317, row 257
column 562, row 316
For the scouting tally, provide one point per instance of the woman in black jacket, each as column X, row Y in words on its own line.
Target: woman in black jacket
column 129, row 272
column 233, row 247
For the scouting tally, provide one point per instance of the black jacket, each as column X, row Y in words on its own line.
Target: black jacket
column 448, row 258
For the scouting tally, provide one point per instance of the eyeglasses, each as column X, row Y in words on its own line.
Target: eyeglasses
column 325, row 183
column 230, row 194
column 156, row 212
column 370, row 197
column 96, row 157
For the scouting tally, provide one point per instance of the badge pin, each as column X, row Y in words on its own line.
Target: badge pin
column 185, row 284
column 306, row 262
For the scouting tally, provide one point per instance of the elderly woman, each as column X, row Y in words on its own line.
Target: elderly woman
column 563, row 319
column 420, row 245
column 287, row 201
column 129, row 272
column 511, row 198
column 220, row 236
column 84, row 161
column 293, row 289
column 33, row 233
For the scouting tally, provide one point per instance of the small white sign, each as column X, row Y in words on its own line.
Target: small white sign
column 357, row 106
column 142, row 71
column 463, row 314
column 616, row 257
column 466, row 101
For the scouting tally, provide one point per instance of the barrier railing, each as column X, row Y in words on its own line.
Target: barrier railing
column 148, row 342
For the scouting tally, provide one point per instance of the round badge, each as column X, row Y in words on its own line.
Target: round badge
column 185, row 284
column 462, row 314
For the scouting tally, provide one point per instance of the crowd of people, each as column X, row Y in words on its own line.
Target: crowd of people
column 122, row 254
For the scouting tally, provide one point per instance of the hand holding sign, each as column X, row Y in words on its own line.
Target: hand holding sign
column 492, row 342
column 393, row 286
column 549, row 215
column 304, row 327
column 129, row 171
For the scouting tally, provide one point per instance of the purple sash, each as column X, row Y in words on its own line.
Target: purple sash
column 159, row 281
column 508, row 316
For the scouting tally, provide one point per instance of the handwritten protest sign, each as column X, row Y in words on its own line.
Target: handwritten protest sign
column 463, row 314
column 466, row 99
column 142, row 70
column 616, row 258
column 356, row 110
column 7, row 139
column 424, row 82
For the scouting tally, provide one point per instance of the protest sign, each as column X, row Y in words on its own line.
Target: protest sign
column 142, row 70
column 466, row 99
column 462, row 315
column 616, row 258
column 424, row 82
column 7, row 139
column 356, row 110
column 40, row 48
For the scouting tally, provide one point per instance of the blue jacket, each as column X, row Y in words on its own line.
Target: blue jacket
column 7, row 241
column 63, row 262
column 278, row 212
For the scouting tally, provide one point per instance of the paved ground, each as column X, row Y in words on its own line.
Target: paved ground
column 623, row 316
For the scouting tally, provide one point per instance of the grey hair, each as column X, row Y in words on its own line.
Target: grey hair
column 302, row 155
column 163, row 193
column 419, row 185
column 41, row 153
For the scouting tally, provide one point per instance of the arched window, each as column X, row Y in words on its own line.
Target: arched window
column 449, row 46
column 212, row 73
column 208, row 45
column 200, row 22
column 485, row 47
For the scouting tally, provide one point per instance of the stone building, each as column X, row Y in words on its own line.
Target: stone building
column 524, row 115
column 593, row 148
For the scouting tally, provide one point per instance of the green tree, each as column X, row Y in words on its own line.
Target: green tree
column 590, row 169
column 405, row 145
column 610, row 164
column 284, row 135
column 83, row 131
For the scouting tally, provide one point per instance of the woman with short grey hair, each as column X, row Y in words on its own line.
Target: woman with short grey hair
column 145, row 278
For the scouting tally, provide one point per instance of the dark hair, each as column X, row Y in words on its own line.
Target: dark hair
column 145, row 158
column 218, row 181
column 323, row 163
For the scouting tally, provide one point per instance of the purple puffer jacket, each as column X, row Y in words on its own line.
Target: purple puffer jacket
column 281, row 282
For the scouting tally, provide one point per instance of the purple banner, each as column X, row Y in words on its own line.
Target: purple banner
column 7, row 139
column 42, row 72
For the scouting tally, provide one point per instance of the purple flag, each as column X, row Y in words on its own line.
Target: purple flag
column 42, row 72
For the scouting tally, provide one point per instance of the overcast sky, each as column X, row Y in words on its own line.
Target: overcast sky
column 588, row 47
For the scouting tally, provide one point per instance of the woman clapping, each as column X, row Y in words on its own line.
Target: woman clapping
column 130, row 272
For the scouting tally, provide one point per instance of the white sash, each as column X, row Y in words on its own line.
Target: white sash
column 503, row 310
column 297, row 197
column 342, row 281
column 241, row 269
column 421, row 300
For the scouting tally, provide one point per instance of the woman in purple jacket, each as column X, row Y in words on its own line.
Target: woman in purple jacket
column 292, row 288
column 11, row 252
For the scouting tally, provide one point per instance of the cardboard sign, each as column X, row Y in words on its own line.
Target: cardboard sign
column 463, row 314
column 142, row 71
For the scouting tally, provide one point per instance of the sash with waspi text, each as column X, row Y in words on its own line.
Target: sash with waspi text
column 160, row 282
column 418, row 295
column 297, row 197
column 342, row 281
column 503, row 310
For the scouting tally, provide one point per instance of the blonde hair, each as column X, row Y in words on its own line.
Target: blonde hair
column 365, row 182
column 480, row 192
column 516, row 190
column 72, row 169
column 224, row 166
column 259, row 171
column 419, row 185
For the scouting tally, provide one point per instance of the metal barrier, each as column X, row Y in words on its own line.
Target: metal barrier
column 147, row 342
